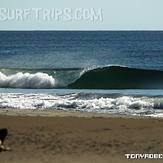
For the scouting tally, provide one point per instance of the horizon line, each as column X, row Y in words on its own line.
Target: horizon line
column 80, row 30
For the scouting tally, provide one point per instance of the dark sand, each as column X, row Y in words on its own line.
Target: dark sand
column 78, row 139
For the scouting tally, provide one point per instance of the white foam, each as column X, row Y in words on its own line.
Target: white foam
column 27, row 80
column 121, row 105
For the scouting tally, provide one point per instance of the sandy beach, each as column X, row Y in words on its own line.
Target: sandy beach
column 64, row 137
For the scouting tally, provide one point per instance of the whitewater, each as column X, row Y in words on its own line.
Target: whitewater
column 121, row 105
column 27, row 80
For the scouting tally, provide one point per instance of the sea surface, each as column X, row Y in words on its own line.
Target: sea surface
column 115, row 72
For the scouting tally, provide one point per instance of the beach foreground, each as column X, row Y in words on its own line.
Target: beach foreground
column 79, row 138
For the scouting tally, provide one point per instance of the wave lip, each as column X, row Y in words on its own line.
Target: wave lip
column 119, row 77
column 27, row 80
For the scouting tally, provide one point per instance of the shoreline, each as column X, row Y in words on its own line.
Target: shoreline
column 61, row 113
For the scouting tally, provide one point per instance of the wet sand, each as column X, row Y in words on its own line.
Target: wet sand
column 64, row 137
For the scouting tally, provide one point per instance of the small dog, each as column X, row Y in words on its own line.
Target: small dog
column 3, row 134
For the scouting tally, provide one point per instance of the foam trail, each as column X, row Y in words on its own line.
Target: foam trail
column 27, row 80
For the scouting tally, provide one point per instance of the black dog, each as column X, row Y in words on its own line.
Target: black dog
column 3, row 134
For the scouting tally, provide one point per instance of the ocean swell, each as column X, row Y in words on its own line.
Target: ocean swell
column 27, row 80
column 118, row 77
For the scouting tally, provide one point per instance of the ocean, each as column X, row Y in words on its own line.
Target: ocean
column 112, row 72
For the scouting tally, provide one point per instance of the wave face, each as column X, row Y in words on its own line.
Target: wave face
column 27, row 80
column 117, row 77
column 120, row 105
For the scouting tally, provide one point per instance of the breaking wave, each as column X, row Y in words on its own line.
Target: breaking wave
column 109, row 77
column 119, row 77
column 27, row 80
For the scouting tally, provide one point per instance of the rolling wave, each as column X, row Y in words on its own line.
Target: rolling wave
column 118, row 77
column 110, row 77
column 38, row 78
column 27, row 80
